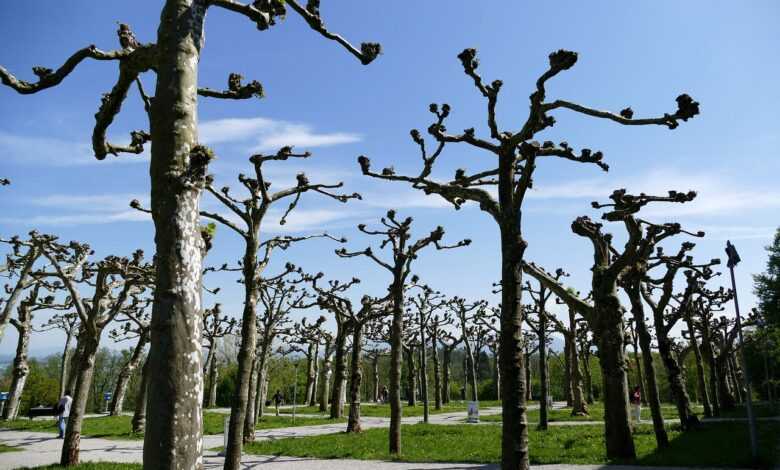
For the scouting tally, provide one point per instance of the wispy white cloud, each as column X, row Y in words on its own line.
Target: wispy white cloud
column 738, row 232
column 72, row 210
column 716, row 194
column 44, row 150
column 263, row 134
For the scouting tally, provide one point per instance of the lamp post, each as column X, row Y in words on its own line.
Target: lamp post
column 734, row 259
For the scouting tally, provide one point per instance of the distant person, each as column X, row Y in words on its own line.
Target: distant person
column 385, row 394
column 636, row 404
column 278, row 398
column 63, row 412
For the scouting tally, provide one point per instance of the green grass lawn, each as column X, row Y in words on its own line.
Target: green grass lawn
column 595, row 413
column 119, row 427
column 383, row 410
column 714, row 445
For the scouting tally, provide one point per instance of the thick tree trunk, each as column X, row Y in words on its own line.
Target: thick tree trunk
column 173, row 439
column 675, row 378
column 211, row 401
column 311, row 372
column 528, row 388
column 84, row 372
column 411, row 377
column 639, row 375
column 471, row 372
column 645, row 342
column 139, row 416
column 261, row 388
column 437, row 393
column 567, row 390
column 544, row 381
column 64, row 362
column 120, row 390
column 514, row 428
column 242, row 398
column 325, row 375
column 618, row 430
column 424, row 376
column 446, row 374
column 725, row 391
column 316, row 370
column 73, row 364
column 340, row 373
column 708, row 354
column 20, row 368
column 701, row 381
column 356, row 378
column 250, row 405
column 375, row 375
column 396, row 348
column 588, row 377
column 737, row 386
column 579, row 405
column 497, row 374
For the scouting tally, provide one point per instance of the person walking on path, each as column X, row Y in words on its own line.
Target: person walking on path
column 278, row 400
column 636, row 404
column 63, row 412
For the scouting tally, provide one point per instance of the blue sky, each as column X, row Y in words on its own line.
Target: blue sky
column 641, row 54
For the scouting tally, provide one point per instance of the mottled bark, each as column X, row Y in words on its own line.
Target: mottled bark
column 411, row 376
column 708, row 354
column 396, row 349
column 86, row 368
column 356, row 378
column 437, row 382
column 645, row 342
column 139, row 416
column 340, row 372
column 700, row 376
column 211, row 399
column 311, row 372
column 446, row 374
column 325, row 374
column 120, row 390
column 567, row 390
column 313, row 376
column 424, row 375
column 544, row 381
column 173, row 438
column 21, row 368
column 243, row 398
column 64, row 362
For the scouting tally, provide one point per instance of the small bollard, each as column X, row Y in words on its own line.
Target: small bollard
column 473, row 412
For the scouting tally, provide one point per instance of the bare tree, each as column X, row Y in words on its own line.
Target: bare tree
column 539, row 321
column 215, row 327
column 135, row 326
column 24, row 327
column 115, row 281
column 177, row 167
column 605, row 317
column 305, row 338
column 665, row 317
column 516, row 155
column 436, row 331
column 397, row 235
column 425, row 305
column 465, row 313
column 19, row 264
column 70, row 325
column 251, row 213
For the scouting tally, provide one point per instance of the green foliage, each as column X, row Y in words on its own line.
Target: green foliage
column 711, row 446
column 766, row 285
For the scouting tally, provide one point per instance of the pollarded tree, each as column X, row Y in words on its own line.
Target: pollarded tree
column 19, row 264
column 584, row 344
column 465, row 312
column 70, row 325
column 177, row 168
column 33, row 302
column 605, row 316
column 516, row 154
column 278, row 296
column 425, row 304
column 115, row 282
column 632, row 338
column 396, row 234
column 539, row 322
column 334, row 299
column 135, row 325
column 305, row 338
column 666, row 317
column 436, row 331
column 724, row 339
column 215, row 326
column 449, row 343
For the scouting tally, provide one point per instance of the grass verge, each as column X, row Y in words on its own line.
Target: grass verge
column 713, row 446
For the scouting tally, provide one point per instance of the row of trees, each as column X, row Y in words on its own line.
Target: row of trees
column 175, row 368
